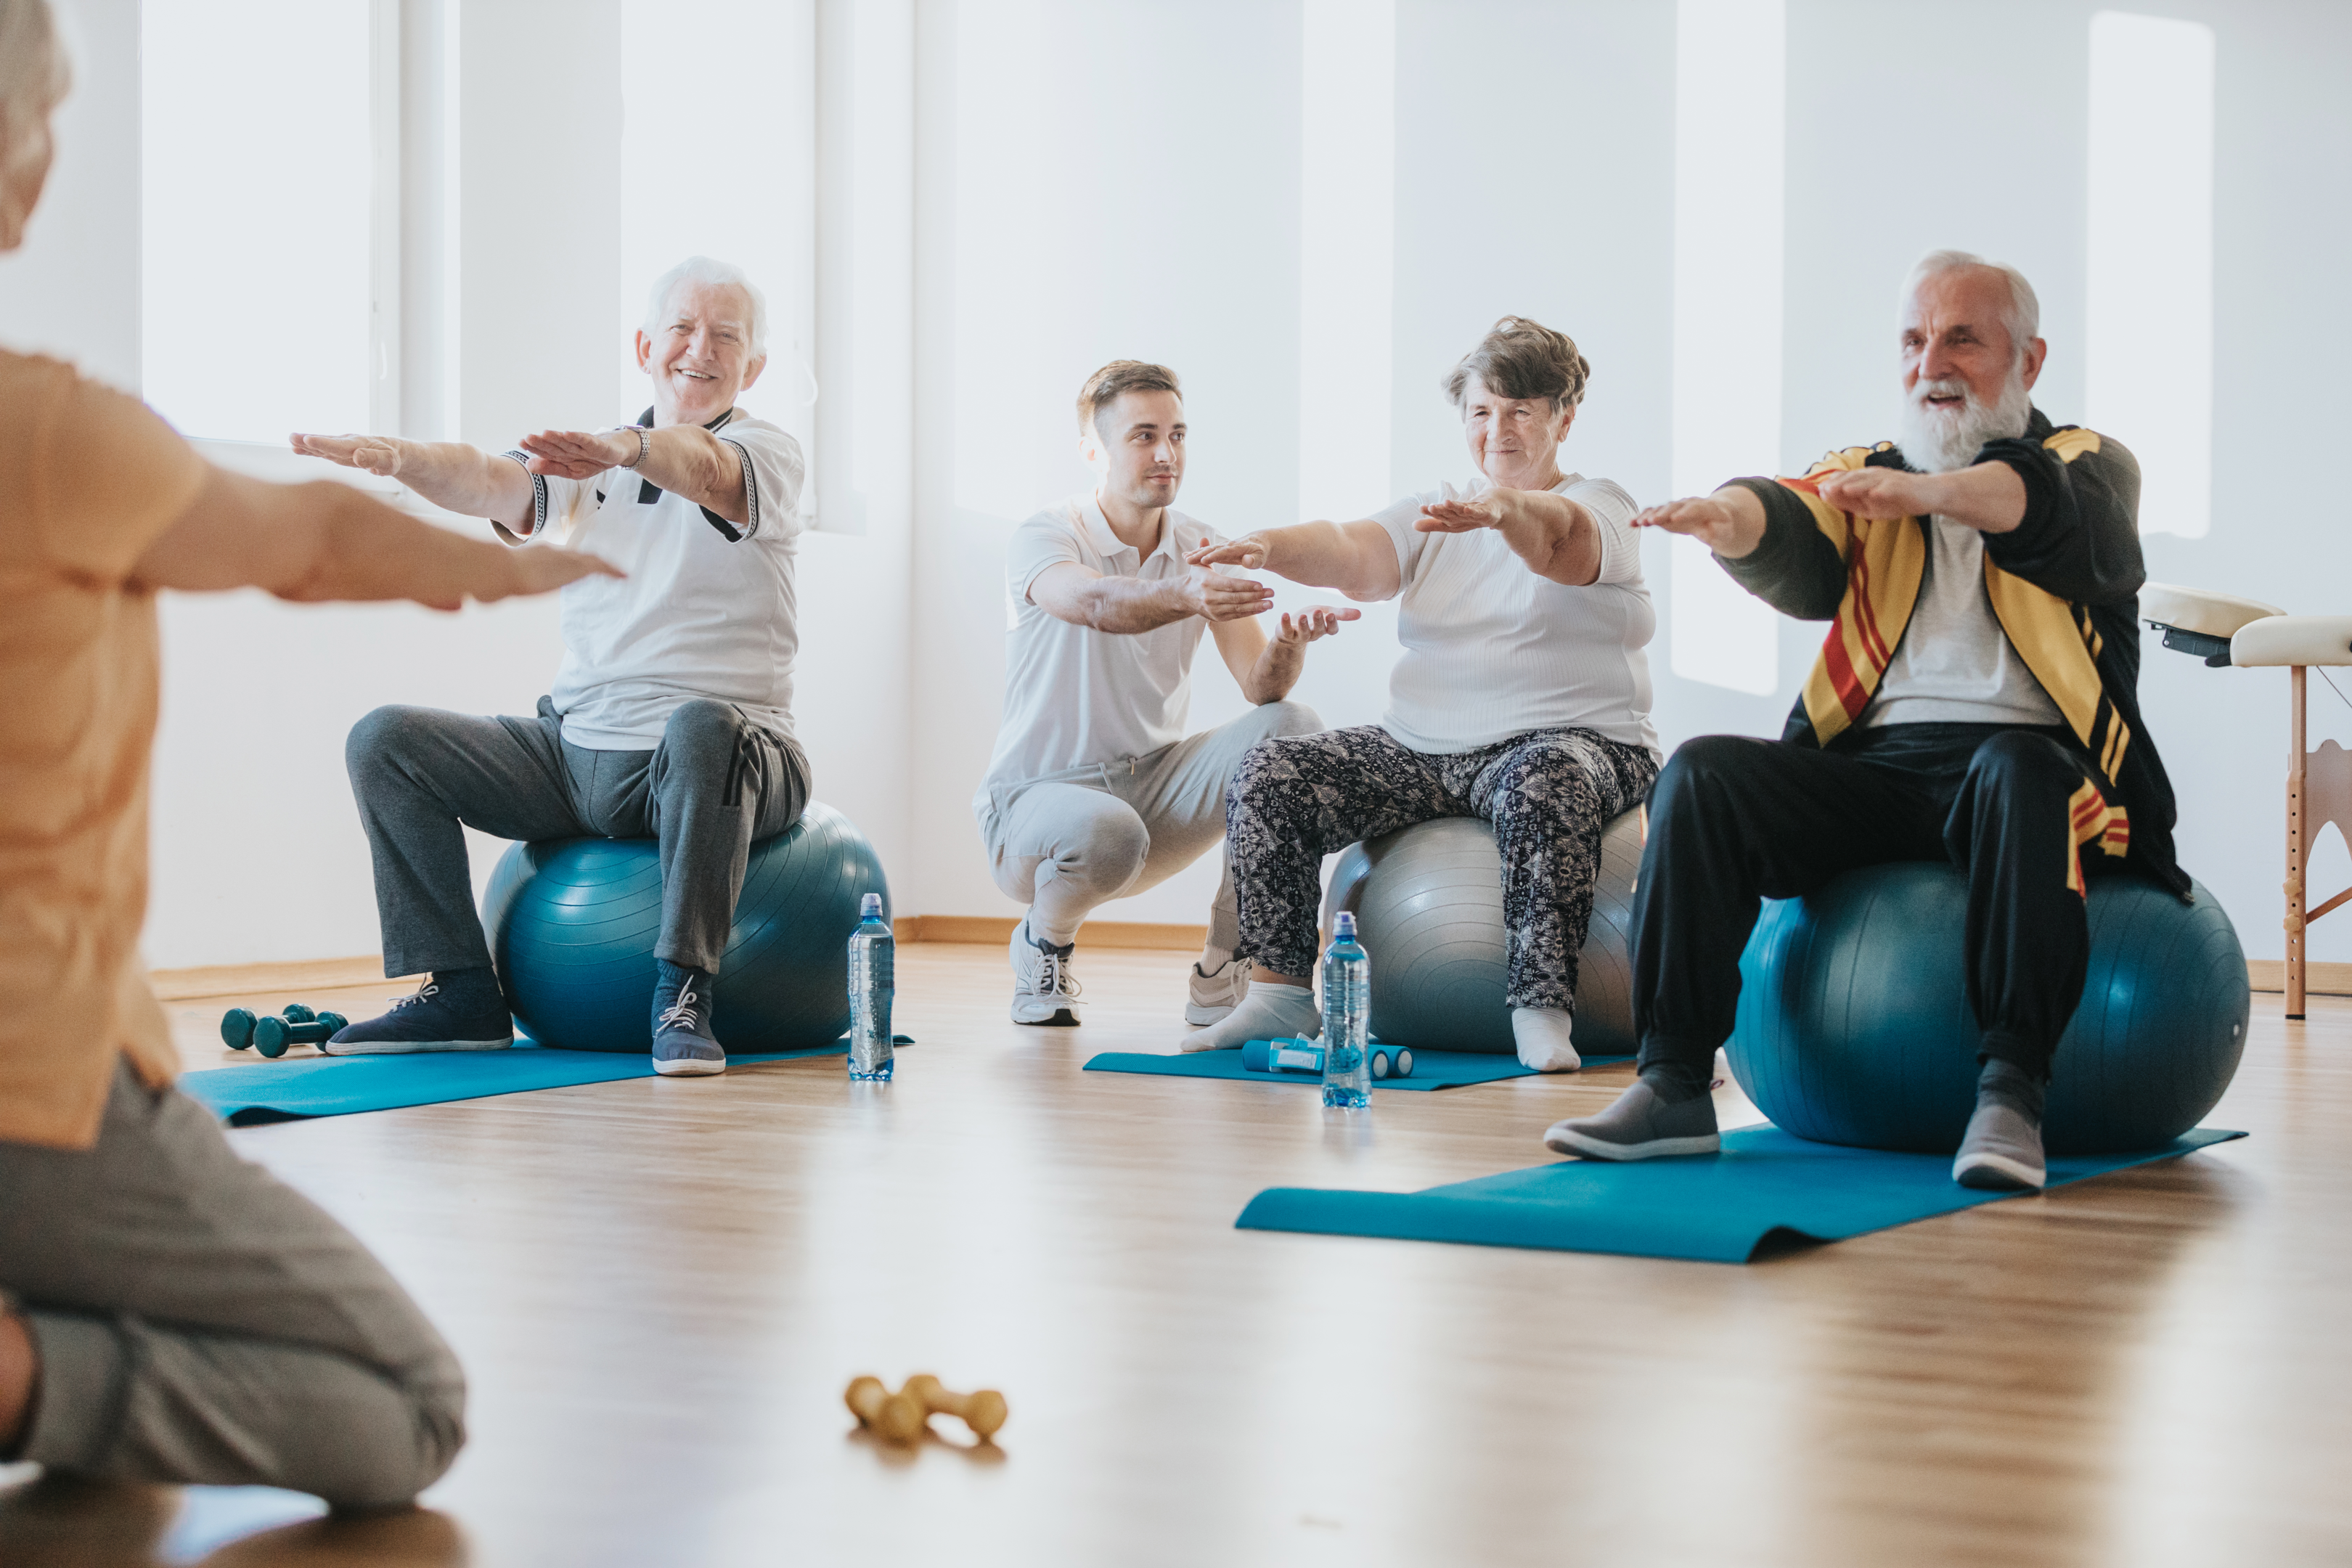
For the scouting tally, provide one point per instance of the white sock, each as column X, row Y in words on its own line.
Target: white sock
column 1270, row 1012
column 1215, row 958
column 1542, row 1033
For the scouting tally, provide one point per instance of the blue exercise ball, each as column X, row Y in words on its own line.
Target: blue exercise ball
column 572, row 924
column 1854, row 1026
column 1428, row 902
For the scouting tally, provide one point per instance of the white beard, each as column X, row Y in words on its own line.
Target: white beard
column 1937, row 443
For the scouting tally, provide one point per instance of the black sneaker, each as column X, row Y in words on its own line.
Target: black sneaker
column 426, row 1022
column 1640, row 1126
column 684, row 1045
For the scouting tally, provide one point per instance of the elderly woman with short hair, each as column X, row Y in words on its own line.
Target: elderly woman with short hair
column 1523, row 697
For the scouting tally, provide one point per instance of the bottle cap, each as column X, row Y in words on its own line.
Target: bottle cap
column 870, row 907
column 1343, row 927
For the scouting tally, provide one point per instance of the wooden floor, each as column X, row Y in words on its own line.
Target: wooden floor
column 659, row 1288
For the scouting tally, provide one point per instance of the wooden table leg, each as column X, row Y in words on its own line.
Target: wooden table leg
column 2296, row 850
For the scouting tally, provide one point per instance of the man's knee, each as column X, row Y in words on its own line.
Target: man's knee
column 1108, row 849
column 1270, row 720
column 390, row 732
column 1698, row 769
column 702, row 730
column 2019, row 761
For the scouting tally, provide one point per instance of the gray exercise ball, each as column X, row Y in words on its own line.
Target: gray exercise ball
column 1428, row 903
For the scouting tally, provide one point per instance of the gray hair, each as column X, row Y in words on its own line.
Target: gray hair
column 34, row 74
column 2024, row 317
column 700, row 270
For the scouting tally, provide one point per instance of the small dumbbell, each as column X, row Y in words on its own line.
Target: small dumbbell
column 1391, row 1061
column 272, row 1035
column 893, row 1418
column 982, row 1410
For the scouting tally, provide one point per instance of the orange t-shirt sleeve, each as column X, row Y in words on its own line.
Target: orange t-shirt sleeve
column 110, row 478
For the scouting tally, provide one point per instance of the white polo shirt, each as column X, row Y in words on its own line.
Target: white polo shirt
column 708, row 608
column 1075, row 696
column 1492, row 650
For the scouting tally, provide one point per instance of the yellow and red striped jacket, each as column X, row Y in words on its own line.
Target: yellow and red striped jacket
column 2064, row 585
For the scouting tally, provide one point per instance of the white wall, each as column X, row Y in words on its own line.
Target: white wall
column 1033, row 186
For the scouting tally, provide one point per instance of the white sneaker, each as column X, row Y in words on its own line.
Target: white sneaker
column 1212, row 996
column 1044, row 989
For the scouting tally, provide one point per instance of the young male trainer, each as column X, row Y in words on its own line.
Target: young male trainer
column 671, row 715
column 1095, row 791
column 1976, row 701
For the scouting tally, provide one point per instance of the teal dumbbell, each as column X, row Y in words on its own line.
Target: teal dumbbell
column 1305, row 1058
column 297, row 1025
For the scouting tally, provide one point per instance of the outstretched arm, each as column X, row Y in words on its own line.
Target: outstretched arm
column 1356, row 558
column 327, row 541
column 451, row 475
column 1085, row 597
column 683, row 459
column 1558, row 538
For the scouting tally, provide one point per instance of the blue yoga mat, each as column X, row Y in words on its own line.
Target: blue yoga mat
column 338, row 1086
column 1431, row 1069
column 1715, row 1208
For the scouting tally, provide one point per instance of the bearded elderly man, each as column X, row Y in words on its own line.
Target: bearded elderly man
column 1975, row 701
column 671, row 715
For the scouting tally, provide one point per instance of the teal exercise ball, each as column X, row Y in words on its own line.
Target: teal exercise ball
column 572, row 924
column 1854, row 1026
column 1428, row 902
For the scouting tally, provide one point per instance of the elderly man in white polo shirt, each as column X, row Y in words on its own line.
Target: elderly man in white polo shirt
column 671, row 715
column 1095, row 791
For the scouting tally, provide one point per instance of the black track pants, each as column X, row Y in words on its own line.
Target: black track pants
column 1735, row 820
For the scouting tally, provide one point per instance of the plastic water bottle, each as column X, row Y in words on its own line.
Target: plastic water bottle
column 872, row 962
column 1347, row 1019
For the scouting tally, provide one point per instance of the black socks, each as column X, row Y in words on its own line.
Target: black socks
column 2013, row 1086
column 471, row 991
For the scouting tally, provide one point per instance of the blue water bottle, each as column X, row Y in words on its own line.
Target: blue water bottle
column 872, row 962
column 1347, row 1019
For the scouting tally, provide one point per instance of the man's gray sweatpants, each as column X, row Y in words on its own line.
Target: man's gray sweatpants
column 1070, row 841
column 199, row 1321
column 717, row 784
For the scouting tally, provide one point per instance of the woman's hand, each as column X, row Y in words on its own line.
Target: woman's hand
column 578, row 454
column 1461, row 514
column 1248, row 553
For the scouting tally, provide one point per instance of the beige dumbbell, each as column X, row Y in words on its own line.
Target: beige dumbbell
column 893, row 1418
column 982, row 1410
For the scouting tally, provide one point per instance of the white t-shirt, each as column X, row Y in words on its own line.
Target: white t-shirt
column 1492, row 650
column 1073, row 695
column 706, row 609
column 1954, row 664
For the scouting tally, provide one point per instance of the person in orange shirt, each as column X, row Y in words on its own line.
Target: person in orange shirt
column 168, row 1312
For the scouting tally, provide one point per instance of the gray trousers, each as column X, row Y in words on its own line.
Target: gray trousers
column 717, row 784
column 1070, row 841
column 199, row 1321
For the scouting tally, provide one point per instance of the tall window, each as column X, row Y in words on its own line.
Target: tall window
column 1347, row 243
column 258, row 191
column 1728, row 158
column 2149, row 345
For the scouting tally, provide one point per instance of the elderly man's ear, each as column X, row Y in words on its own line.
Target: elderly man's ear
column 2035, row 352
column 752, row 372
